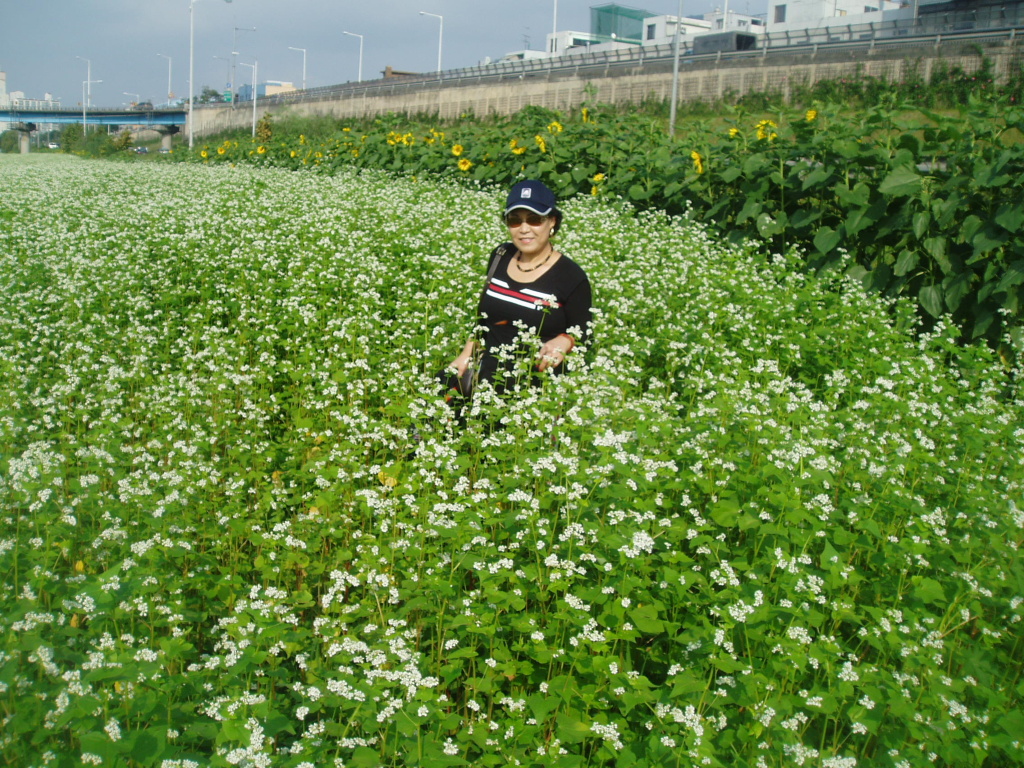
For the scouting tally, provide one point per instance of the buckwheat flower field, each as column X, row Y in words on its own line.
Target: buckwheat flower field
column 762, row 523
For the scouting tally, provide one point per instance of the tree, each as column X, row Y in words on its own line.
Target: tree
column 123, row 141
column 71, row 137
column 210, row 96
column 9, row 142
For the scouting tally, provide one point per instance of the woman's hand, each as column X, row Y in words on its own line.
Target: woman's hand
column 553, row 352
column 461, row 363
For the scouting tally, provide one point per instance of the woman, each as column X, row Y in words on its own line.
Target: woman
column 530, row 284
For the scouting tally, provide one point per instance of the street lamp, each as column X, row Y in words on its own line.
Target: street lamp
column 86, row 84
column 138, row 98
column 674, row 101
column 170, row 93
column 234, row 56
column 191, row 64
column 353, row 34
column 303, row 50
column 440, row 36
column 255, row 67
column 88, row 78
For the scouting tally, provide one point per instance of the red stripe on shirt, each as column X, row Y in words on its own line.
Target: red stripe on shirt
column 524, row 296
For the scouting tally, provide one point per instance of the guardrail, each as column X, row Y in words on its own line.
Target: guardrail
column 933, row 29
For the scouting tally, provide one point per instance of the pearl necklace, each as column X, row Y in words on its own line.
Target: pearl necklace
column 521, row 268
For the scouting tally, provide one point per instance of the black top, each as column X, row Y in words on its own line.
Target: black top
column 557, row 301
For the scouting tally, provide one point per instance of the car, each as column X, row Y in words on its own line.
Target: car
column 142, row 150
column 53, row 145
column 164, row 151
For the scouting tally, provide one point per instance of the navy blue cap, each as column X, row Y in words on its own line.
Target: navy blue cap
column 532, row 195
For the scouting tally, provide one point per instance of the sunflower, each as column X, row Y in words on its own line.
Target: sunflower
column 465, row 164
column 764, row 130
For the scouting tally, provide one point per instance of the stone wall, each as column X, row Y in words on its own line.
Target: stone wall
column 705, row 81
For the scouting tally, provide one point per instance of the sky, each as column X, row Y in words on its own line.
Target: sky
column 41, row 40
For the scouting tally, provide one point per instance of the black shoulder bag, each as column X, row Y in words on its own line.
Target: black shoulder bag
column 462, row 386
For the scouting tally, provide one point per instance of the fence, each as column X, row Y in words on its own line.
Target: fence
column 883, row 50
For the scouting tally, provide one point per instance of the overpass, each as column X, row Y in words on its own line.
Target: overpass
column 166, row 121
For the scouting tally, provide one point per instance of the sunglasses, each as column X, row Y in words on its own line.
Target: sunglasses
column 516, row 219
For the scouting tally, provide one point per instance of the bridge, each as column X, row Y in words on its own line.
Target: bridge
column 166, row 121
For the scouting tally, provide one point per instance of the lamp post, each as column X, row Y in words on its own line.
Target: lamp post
column 191, row 64
column 554, row 23
column 440, row 36
column 674, row 101
column 88, row 79
column 255, row 67
column 353, row 34
column 86, row 84
column 138, row 98
column 170, row 93
column 234, row 57
column 303, row 50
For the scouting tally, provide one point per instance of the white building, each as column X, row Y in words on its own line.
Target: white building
column 570, row 42
column 780, row 16
column 5, row 100
column 728, row 20
column 798, row 15
column 661, row 30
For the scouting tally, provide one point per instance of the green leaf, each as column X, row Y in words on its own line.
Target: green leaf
column 571, row 730
column 826, row 239
column 921, row 221
column 931, row 299
column 645, row 617
column 636, row 192
column 1013, row 276
column 803, row 218
column 955, row 288
column 1010, row 216
column 847, row 148
column 749, row 211
column 861, row 219
column 730, row 174
column 767, row 226
column 936, row 248
column 988, row 239
column 906, row 263
column 857, row 197
column 364, row 757
column 930, row 591
column 817, row 176
column 970, row 228
column 901, row 182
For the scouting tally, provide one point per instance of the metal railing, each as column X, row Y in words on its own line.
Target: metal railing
column 996, row 25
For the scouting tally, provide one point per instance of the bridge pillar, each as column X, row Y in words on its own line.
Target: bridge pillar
column 166, row 132
column 24, row 132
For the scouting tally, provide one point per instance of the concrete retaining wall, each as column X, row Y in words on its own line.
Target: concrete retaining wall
column 709, row 81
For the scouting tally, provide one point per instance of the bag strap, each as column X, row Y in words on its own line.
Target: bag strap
column 496, row 256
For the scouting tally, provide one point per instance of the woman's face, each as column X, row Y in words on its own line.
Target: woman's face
column 530, row 239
